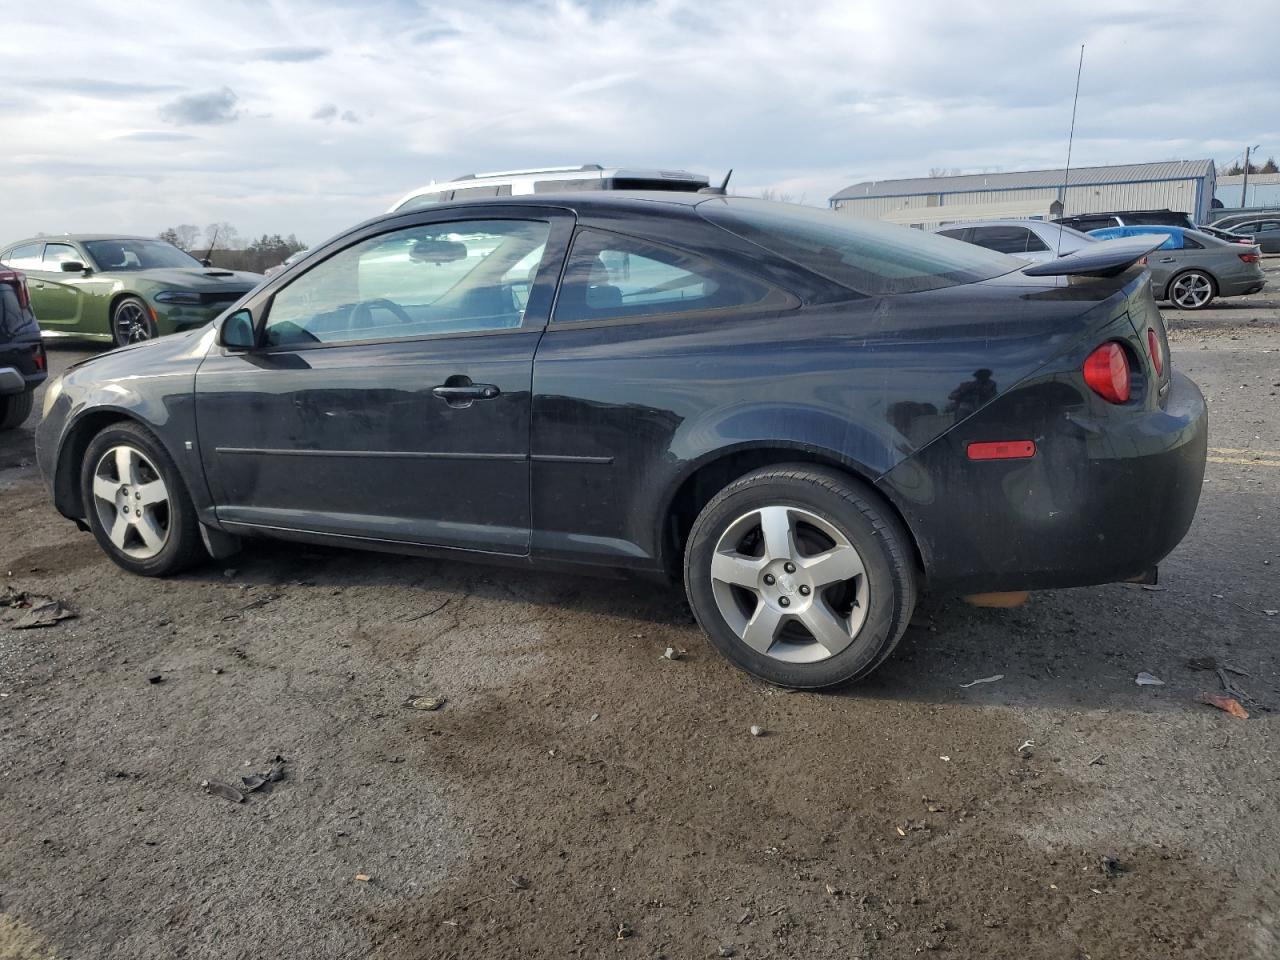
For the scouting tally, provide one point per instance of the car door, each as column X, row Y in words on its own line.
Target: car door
column 58, row 295
column 1166, row 260
column 1266, row 235
column 389, row 397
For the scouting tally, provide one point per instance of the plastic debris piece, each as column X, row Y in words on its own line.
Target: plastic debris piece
column 219, row 789
column 362, row 877
column 155, row 678
column 1110, row 866
column 43, row 612
column 253, row 782
column 1145, row 679
column 1224, row 703
column 1026, row 749
column 425, row 703
column 671, row 653
column 757, row 731
column 974, row 683
column 519, row 882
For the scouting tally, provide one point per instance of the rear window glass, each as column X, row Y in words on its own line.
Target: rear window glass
column 868, row 256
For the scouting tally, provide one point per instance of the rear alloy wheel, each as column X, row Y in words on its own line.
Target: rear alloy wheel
column 800, row 577
column 131, row 322
column 136, row 503
column 1191, row 290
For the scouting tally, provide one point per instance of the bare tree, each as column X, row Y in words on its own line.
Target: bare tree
column 223, row 236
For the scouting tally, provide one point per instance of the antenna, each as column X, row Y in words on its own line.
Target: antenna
column 1066, row 173
column 720, row 190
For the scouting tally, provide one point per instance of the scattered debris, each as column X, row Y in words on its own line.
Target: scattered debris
column 262, row 601
column 426, row 703
column 671, row 653
column 219, row 789
column 1229, row 686
column 217, row 671
column 1212, row 663
column 362, row 877
column 726, row 952
column 276, row 773
column 1270, row 613
column 745, row 918
column 37, row 609
column 757, row 731
column 594, row 718
column 519, row 882
column 623, row 931
column 1110, row 866
column 1145, row 679
column 253, row 782
column 1096, row 761
column 1026, row 750
column 155, row 678
column 1152, row 587
column 1224, row 703
column 974, row 683
column 427, row 613
column 944, row 759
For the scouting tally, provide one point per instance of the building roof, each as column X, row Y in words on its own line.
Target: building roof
column 1030, row 179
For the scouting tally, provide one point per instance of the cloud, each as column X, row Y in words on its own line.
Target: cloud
column 804, row 102
column 156, row 136
column 289, row 54
column 201, row 109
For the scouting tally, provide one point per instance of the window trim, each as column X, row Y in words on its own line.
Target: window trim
column 776, row 299
column 559, row 221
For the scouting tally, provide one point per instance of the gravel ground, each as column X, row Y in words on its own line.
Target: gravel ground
column 579, row 795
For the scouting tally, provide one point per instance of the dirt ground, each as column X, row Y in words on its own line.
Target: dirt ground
column 580, row 795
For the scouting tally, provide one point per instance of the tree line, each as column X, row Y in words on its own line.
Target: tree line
column 225, row 248
column 1236, row 168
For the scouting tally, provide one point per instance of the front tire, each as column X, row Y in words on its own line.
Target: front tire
column 136, row 503
column 800, row 577
column 1192, row 290
column 131, row 322
column 15, row 408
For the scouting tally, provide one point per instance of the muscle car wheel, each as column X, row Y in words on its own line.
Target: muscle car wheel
column 131, row 322
column 15, row 408
column 136, row 504
column 799, row 576
column 1192, row 290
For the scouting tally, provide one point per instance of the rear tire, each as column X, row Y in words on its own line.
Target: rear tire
column 136, row 503
column 131, row 322
column 1192, row 290
column 800, row 576
column 15, row 408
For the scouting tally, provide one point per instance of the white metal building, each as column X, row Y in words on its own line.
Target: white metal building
column 1183, row 185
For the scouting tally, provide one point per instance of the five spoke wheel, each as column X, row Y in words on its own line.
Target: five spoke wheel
column 1191, row 290
column 789, row 584
column 132, row 502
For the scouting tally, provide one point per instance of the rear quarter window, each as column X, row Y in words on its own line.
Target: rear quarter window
column 868, row 256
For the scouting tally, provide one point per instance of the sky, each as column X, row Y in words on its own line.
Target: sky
column 307, row 116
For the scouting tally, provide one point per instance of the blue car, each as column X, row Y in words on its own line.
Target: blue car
column 1191, row 268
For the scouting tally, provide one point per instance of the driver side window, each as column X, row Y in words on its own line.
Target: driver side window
column 459, row 277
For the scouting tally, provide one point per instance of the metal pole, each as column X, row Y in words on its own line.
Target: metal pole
column 1244, row 188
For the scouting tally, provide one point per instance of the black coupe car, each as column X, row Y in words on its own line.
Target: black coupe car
column 808, row 417
column 23, row 364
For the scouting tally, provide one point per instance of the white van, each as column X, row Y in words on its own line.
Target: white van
column 514, row 183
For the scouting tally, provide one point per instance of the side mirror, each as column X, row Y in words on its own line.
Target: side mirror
column 206, row 262
column 237, row 331
column 72, row 266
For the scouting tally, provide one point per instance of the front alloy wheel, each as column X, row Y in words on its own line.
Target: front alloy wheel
column 1191, row 290
column 131, row 322
column 132, row 502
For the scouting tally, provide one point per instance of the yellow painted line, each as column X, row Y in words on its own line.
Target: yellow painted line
column 1246, row 461
column 1229, row 451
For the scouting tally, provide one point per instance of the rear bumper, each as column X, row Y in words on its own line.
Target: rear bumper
column 1102, row 500
column 22, row 367
column 1242, row 286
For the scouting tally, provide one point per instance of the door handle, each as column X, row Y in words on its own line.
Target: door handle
column 1165, row 260
column 461, row 392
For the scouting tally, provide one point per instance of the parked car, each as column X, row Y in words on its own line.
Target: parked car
column 1190, row 268
column 1088, row 222
column 1264, row 232
column 23, row 365
column 1230, row 220
column 517, row 183
column 1227, row 235
column 121, row 289
column 1034, row 240
column 777, row 405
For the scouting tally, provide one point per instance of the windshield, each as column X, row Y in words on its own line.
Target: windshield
column 138, row 255
column 868, row 256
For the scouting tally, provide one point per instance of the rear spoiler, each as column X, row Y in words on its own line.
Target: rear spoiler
column 1106, row 258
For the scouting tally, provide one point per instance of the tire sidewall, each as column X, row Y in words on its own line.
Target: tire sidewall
column 15, row 408
column 885, row 587
column 183, row 531
column 146, row 313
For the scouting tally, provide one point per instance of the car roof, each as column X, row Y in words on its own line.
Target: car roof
column 78, row 237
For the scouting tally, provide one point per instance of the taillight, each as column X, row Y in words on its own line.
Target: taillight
column 19, row 283
column 1106, row 371
column 1153, row 343
column 1142, row 261
column 42, row 361
column 1249, row 257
